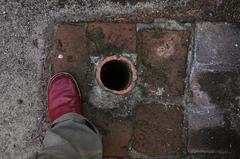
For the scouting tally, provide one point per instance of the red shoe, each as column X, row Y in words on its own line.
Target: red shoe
column 63, row 96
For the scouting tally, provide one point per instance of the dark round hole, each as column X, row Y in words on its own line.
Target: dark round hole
column 115, row 75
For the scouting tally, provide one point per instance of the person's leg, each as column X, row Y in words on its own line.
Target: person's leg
column 71, row 136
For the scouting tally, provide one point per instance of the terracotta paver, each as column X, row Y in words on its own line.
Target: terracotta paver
column 70, row 42
column 111, row 38
column 74, row 45
column 116, row 133
column 158, row 129
column 164, row 59
column 71, row 53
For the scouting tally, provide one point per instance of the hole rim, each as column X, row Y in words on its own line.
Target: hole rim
column 132, row 72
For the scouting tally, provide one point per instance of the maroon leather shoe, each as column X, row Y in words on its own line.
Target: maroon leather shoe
column 63, row 96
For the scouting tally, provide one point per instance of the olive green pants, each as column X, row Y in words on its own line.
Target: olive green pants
column 71, row 137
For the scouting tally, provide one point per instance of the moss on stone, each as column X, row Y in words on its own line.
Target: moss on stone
column 139, row 48
column 158, row 33
column 70, row 59
column 97, row 37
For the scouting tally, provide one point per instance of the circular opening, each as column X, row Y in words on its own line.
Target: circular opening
column 115, row 75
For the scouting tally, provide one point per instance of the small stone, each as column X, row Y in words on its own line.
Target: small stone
column 60, row 56
column 20, row 101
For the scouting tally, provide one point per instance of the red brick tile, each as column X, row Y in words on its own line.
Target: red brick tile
column 71, row 44
column 115, row 143
column 75, row 44
column 116, row 132
column 108, row 38
column 158, row 129
column 164, row 57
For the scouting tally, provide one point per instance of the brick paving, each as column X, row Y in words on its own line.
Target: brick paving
column 155, row 139
column 163, row 57
column 71, row 53
column 186, row 100
column 116, row 132
column 110, row 38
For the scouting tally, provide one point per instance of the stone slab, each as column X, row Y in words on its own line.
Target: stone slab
column 217, row 44
column 215, row 88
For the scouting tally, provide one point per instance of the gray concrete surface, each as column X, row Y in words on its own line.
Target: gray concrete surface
column 26, row 31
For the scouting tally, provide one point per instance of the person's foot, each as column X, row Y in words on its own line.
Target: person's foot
column 63, row 96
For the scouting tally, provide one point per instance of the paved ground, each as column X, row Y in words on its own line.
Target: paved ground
column 26, row 47
column 186, row 98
